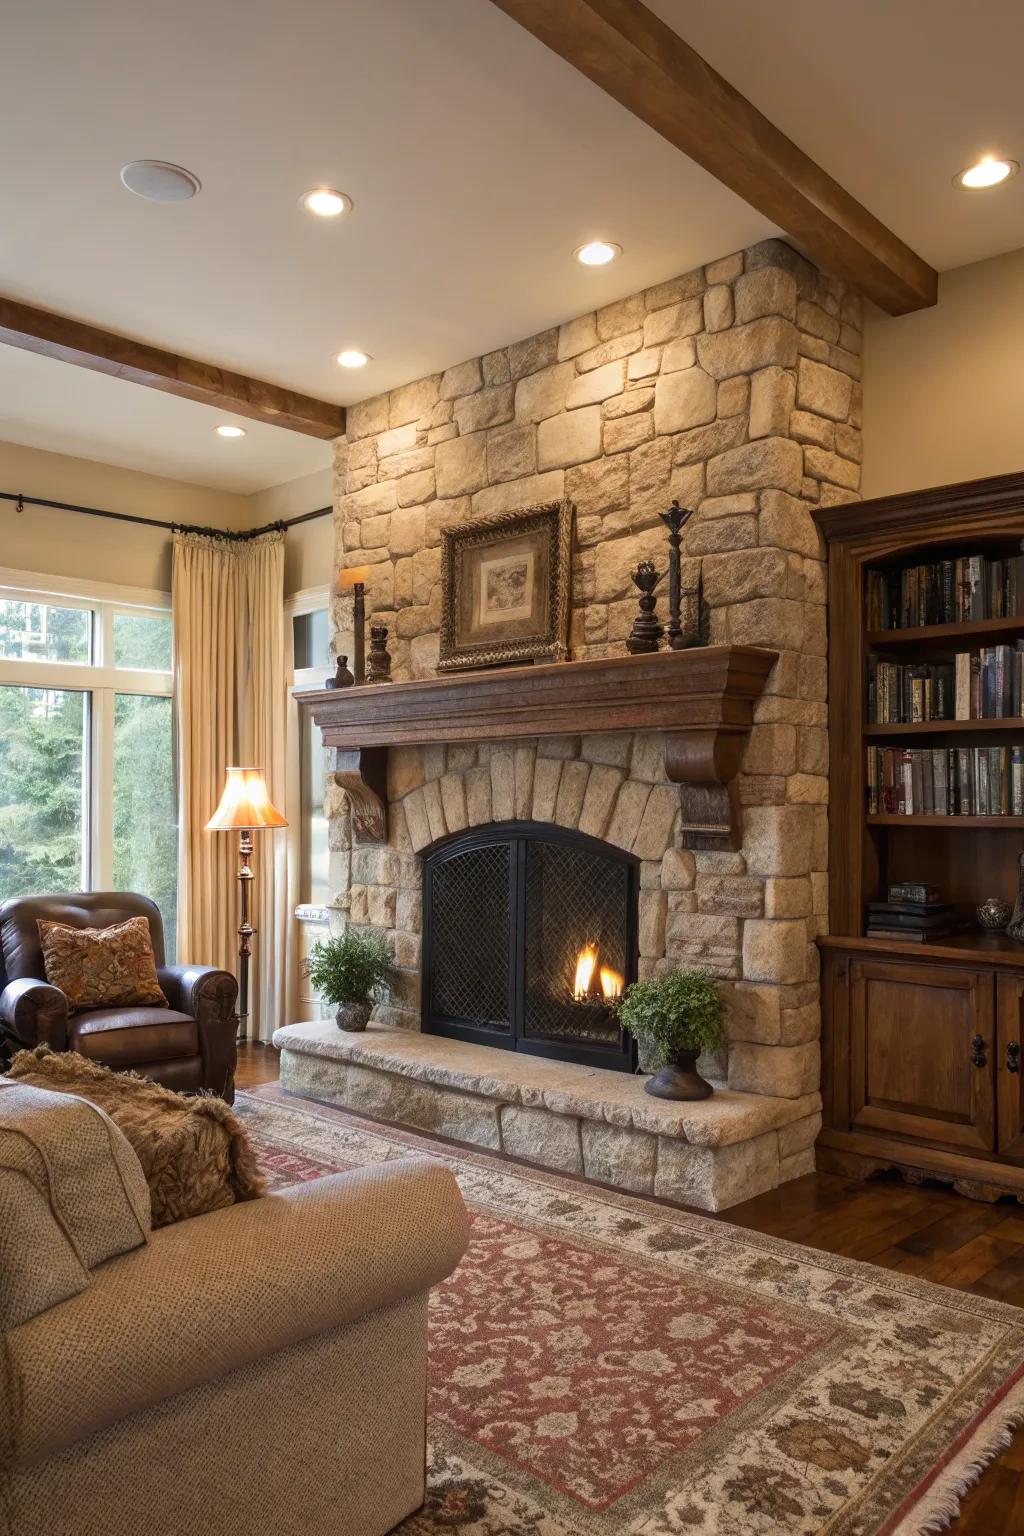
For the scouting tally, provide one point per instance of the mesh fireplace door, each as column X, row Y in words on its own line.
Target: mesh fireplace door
column 469, row 905
column 529, row 936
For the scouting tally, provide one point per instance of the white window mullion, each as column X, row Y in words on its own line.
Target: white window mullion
column 102, row 818
column 104, row 627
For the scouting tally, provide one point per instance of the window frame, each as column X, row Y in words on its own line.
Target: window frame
column 99, row 680
column 300, row 680
column 307, row 920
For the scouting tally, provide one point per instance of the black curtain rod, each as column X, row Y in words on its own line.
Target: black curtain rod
column 21, row 502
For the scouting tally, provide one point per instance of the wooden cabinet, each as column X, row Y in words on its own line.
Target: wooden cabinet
column 922, row 1042
column 923, row 1065
column 921, row 1053
column 1009, row 1050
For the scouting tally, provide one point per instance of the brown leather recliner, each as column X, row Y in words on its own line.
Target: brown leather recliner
column 188, row 1046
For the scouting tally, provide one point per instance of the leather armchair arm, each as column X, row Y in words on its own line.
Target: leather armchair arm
column 35, row 1013
column 208, row 996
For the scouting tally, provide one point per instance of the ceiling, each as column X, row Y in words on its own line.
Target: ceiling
column 62, row 409
column 476, row 159
column 891, row 97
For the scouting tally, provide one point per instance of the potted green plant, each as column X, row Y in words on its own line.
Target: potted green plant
column 349, row 970
column 675, row 1017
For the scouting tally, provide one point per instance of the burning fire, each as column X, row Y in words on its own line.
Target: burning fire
column 583, row 985
column 611, row 982
column 586, row 965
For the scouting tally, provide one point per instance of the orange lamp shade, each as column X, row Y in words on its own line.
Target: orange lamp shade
column 353, row 576
column 245, row 803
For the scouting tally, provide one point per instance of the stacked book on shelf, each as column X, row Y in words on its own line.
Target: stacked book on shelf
column 945, row 781
column 986, row 685
column 912, row 922
column 957, row 591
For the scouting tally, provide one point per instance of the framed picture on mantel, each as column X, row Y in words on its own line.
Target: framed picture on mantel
column 505, row 585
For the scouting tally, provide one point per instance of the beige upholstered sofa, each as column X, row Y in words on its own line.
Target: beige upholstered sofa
column 259, row 1371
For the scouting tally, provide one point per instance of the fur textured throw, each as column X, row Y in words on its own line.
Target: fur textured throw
column 194, row 1152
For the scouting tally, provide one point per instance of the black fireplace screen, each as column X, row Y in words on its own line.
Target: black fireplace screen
column 529, row 936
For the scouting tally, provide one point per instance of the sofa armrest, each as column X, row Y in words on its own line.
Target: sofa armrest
column 35, row 1013
column 208, row 996
column 213, row 1294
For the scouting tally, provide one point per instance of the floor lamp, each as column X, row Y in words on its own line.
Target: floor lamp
column 244, row 808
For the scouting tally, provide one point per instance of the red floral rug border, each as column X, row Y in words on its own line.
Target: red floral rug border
column 914, row 1491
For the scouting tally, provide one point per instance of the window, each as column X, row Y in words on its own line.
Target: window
column 43, row 774
column 142, row 641
column 87, row 790
column 312, row 640
column 43, row 632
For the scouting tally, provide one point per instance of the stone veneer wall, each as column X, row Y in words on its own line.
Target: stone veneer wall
column 734, row 388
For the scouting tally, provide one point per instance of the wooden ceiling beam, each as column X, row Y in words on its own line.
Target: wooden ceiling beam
column 639, row 61
column 72, row 341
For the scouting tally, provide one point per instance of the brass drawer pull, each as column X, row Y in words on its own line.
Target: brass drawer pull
column 1013, row 1056
column 978, row 1047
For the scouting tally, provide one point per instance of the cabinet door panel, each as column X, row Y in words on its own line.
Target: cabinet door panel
column 912, row 1059
column 1010, row 1066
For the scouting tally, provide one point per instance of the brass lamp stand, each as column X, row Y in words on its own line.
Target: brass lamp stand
column 244, row 808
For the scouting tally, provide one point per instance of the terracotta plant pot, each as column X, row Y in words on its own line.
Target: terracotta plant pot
column 679, row 1079
column 353, row 1016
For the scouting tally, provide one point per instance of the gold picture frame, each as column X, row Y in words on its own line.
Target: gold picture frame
column 505, row 587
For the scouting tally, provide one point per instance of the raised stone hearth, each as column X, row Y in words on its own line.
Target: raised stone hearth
column 575, row 1119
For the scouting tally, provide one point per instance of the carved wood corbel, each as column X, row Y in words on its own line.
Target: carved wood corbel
column 363, row 775
column 704, row 763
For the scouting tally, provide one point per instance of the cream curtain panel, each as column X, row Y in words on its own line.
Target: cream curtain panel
column 230, row 700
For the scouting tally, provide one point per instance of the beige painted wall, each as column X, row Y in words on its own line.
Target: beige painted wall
column 66, row 544
column 309, row 548
column 944, row 388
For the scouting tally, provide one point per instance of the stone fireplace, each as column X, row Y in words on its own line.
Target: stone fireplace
column 736, row 389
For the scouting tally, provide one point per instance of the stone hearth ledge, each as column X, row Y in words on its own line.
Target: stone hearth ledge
column 559, row 1115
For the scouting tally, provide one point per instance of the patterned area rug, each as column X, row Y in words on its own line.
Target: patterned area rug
column 604, row 1366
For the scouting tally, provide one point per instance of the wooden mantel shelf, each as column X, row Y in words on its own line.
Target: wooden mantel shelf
column 702, row 699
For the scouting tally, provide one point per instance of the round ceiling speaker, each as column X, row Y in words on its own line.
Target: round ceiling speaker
column 159, row 182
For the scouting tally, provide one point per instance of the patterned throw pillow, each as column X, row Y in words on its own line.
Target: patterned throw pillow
column 101, row 967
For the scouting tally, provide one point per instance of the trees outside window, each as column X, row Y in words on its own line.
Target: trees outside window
column 87, row 787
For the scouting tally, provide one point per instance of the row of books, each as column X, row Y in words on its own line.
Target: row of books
column 946, row 592
column 945, row 781
column 983, row 685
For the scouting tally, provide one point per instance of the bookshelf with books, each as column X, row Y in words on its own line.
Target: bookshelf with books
column 926, row 788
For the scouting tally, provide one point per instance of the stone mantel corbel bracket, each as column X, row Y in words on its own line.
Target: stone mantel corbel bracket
column 363, row 775
column 701, row 699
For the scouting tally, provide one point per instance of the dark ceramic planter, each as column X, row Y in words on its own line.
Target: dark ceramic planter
column 353, row 1016
column 679, row 1079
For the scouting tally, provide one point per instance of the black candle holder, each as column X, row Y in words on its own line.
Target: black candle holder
column 643, row 638
column 342, row 676
column 378, row 662
column 675, row 520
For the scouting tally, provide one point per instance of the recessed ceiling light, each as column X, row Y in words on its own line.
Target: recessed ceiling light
column 159, row 182
column 990, row 171
column 326, row 203
column 226, row 430
column 597, row 253
column 353, row 358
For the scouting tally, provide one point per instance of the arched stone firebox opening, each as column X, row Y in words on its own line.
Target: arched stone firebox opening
column 529, row 936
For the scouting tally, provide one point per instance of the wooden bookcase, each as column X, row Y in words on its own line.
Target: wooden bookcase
column 922, row 1044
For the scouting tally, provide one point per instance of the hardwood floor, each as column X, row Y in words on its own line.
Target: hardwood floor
column 926, row 1231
